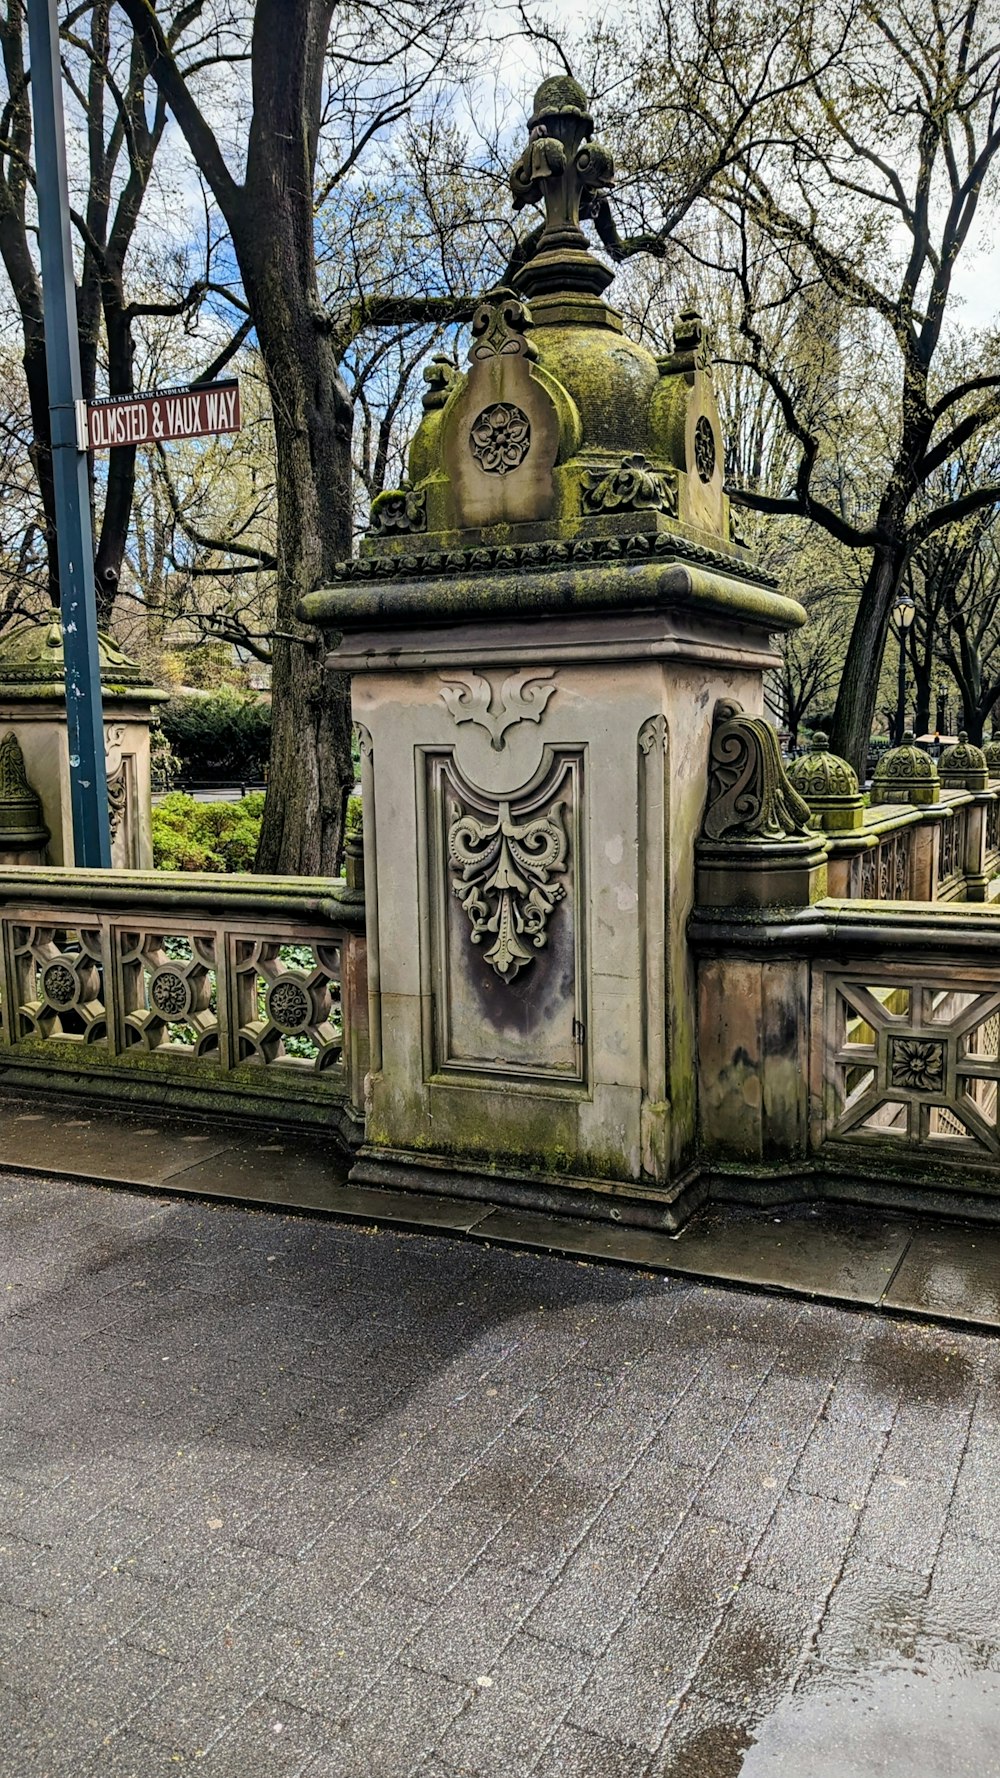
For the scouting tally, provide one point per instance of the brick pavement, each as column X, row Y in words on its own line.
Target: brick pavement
column 285, row 1497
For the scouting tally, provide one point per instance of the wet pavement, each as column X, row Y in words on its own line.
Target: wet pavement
column 835, row 1252
column 287, row 1496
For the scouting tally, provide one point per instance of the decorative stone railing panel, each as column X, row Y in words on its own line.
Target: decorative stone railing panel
column 911, row 1060
column 234, row 988
column 853, row 1048
column 884, row 872
column 953, row 854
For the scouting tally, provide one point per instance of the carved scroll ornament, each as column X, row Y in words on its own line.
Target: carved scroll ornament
column 749, row 794
column 116, row 773
column 634, row 487
column 503, row 875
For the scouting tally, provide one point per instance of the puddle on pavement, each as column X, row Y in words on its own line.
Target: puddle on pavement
column 902, row 1724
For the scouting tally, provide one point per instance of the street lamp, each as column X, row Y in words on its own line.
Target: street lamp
column 904, row 611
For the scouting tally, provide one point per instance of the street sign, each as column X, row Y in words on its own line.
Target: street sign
column 164, row 415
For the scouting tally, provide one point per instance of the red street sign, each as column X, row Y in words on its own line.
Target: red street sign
column 156, row 419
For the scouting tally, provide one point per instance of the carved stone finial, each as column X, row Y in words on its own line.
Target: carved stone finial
column 750, row 796
column 906, row 774
column 499, row 325
column 21, row 823
column 829, row 785
column 562, row 169
column 439, row 375
column 965, row 767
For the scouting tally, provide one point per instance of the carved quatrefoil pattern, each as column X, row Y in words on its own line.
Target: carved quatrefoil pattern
column 912, row 1061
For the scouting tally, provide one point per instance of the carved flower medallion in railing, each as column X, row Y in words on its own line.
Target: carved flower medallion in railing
column 289, row 1004
column 60, row 983
column 169, row 982
column 912, row 1061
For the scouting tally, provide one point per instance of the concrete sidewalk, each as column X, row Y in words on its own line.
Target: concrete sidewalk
column 283, row 1497
column 832, row 1253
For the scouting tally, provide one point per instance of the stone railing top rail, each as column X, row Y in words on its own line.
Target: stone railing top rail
column 180, row 893
column 886, row 816
column 931, row 931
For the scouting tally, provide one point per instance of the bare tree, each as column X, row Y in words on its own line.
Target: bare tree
column 886, row 130
column 105, row 72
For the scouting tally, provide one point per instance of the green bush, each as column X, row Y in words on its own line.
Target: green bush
column 223, row 737
column 190, row 835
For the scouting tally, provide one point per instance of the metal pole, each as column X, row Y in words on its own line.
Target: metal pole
column 901, row 687
column 78, row 604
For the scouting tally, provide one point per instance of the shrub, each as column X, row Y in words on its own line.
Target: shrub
column 225, row 736
column 196, row 836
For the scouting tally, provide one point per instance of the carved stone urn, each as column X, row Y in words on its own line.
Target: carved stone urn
column 539, row 627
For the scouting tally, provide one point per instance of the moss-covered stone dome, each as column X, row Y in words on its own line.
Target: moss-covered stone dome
column 33, row 665
column 820, row 773
column 906, row 774
column 965, row 766
column 829, row 785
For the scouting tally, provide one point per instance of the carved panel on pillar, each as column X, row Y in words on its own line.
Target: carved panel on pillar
column 501, row 878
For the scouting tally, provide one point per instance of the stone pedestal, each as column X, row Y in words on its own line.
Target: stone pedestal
column 531, row 797
column 32, row 704
column 540, row 626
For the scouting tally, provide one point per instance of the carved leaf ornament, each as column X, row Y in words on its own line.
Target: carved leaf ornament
column 504, row 873
column 750, row 796
column 523, row 697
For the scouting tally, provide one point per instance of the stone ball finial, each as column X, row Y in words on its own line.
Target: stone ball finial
column 829, row 785
column 965, row 767
column 906, row 774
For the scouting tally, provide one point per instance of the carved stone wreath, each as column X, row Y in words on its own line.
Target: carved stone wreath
column 916, row 1063
column 504, row 871
column 288, row 1005
column 58, row 984
column 501, row 438
column 168, row 993
column 704, row 448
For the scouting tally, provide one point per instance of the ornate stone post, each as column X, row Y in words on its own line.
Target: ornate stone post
column 540, row 626
column 33, row 702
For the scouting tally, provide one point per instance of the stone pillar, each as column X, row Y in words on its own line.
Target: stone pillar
column 23, row 834
column 539, row 627
column 32, row 702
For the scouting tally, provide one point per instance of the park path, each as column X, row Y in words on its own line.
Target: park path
column 281, row 1496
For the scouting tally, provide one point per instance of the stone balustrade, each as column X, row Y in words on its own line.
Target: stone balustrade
column 213, row 993
column 855, row 1048
column 947, row 851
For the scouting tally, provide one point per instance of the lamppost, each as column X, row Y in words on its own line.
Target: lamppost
column 904, row 611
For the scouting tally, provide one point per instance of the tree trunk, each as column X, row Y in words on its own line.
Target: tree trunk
column 859, row 685
column 272, row 223
column 40, row 449
column 922, row 669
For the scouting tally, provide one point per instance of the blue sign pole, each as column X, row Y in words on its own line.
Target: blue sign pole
column 78, row 603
